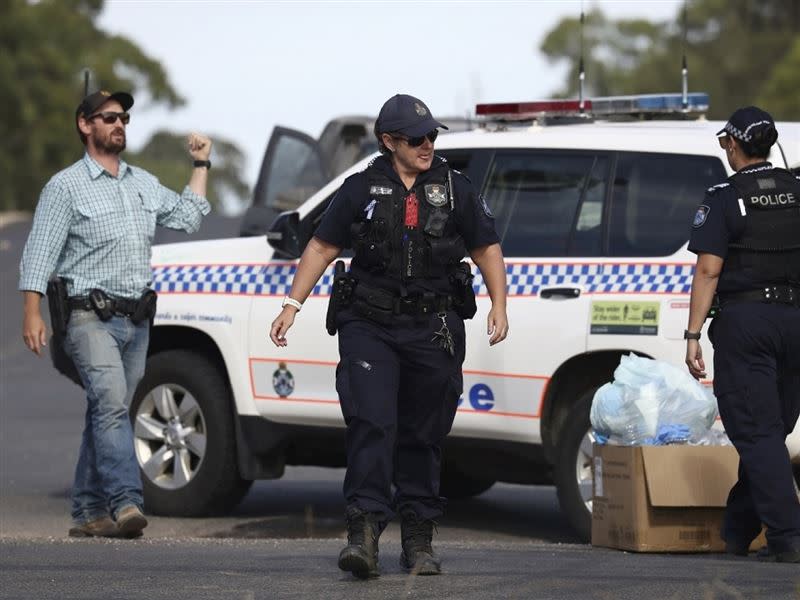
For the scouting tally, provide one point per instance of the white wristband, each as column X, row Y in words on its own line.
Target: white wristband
column 291, row 302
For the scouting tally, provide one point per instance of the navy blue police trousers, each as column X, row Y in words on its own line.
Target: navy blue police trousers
column 757, row 384
column 398, row 390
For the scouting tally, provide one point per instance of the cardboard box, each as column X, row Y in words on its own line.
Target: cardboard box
column 662, row 498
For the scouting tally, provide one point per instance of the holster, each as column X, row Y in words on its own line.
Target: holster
column 58, row 303
column 715, row 308
column 341, row 295
column 463, row 292
column 146, row 308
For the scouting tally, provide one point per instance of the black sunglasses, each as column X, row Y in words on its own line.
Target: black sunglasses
column 110, row 117
column 415, row 142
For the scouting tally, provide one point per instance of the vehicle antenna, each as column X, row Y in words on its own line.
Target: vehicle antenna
column 581, row 71
column 684, row 67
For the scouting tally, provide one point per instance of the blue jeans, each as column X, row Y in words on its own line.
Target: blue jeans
column 110, row 357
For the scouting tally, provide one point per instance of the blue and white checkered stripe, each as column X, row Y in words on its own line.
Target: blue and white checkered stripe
column 524, row 279
column 642, row 278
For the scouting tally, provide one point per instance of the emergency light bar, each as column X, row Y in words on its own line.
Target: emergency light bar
column 603, row 106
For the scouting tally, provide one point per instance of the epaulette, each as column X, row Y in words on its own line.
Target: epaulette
column 715, row 188
column 457, row 172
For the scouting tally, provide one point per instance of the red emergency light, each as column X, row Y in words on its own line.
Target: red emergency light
column 527, row 110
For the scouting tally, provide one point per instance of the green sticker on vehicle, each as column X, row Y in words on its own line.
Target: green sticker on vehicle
column 625, row 318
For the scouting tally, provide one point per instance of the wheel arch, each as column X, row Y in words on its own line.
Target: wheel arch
column 252, row 462
column 570, row 381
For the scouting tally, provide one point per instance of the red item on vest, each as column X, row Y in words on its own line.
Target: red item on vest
column 412, row 210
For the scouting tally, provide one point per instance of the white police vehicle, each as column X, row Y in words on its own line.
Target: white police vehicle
column 594, row 217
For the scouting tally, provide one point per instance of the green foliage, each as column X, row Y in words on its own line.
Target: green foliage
column 739, row 51
column 166, row 156
column 44, row 49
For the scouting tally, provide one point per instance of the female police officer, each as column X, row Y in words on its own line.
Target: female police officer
column 747, row 238
column 410, row 220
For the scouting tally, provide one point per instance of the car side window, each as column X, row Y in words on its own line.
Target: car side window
column 654, row 198
column 548, row 204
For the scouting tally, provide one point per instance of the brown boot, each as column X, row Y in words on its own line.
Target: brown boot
column 102, row 527
column 130, row 522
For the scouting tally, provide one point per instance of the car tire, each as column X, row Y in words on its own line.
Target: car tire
column 185, row 438
column 573, row 468
column 455, row 484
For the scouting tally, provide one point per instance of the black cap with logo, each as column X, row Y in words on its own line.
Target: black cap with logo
column 407, row 115
column 746, row 122
column 92, row 102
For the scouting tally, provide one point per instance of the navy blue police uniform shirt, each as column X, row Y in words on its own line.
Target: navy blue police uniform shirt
column 718, row 222
column 472, row 217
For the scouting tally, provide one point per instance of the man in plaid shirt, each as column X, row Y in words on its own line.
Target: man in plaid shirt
column 93, row 227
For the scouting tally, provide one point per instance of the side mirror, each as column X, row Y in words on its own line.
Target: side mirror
column 284, row 235
column 257, row 220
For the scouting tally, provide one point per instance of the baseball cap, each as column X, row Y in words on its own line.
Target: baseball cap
column 744, row 122
column 407, row 115
column 92, row 102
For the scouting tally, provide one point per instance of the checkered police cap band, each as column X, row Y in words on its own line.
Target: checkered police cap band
column 745, row 136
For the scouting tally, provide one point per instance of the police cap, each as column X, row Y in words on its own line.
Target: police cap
column 407, row 115
column 745, row 122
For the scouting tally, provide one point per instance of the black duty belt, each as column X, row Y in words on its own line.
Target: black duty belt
column 388, row 302
column 121, row 306
column 777, row 294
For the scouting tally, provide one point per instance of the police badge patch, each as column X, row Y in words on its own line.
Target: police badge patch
column 436, row 195
column 485, row 207
column 701, row 215
column 283, row 381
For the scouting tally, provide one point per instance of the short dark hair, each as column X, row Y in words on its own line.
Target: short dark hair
column 379, row 136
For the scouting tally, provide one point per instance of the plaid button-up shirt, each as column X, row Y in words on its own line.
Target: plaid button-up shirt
column 95, row 230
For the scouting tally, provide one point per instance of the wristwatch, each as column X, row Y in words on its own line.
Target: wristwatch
column 291, row 302
column 202, row 163
column 691, row 335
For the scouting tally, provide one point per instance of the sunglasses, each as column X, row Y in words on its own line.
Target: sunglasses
column 415, row 142
column 110, row 117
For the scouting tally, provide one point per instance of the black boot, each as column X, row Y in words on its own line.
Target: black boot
column 789, row 555
column 360, row 556
column 416, row 535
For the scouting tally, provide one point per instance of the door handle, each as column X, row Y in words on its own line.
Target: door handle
column 565, row 292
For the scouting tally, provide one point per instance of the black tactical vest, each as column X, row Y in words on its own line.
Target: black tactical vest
column 410, row 235
column 769, row 248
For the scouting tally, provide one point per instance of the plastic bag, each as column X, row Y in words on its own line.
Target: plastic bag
column 652, row 402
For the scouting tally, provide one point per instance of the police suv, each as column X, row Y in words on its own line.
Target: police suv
column 593, row 208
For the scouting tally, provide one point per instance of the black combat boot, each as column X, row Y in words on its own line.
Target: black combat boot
column 416, row 535
column 360, row 556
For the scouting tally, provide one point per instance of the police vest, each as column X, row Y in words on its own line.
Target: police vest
column 769, row 247
column 408, row 235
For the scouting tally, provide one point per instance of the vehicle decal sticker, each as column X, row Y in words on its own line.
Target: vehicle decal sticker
column 524, row 278
column 624, row 318
column 283, row 381
column 485, row 392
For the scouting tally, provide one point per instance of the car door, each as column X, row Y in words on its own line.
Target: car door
column 293, row 169
column 548, row 208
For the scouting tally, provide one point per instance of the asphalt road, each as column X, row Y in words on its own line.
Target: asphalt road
column 282, row 540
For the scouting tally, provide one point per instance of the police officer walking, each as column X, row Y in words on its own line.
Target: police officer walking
column 92, row 229
column 410, row 219
column 746, row 235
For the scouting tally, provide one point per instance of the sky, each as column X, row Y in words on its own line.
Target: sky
column 246, row 66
